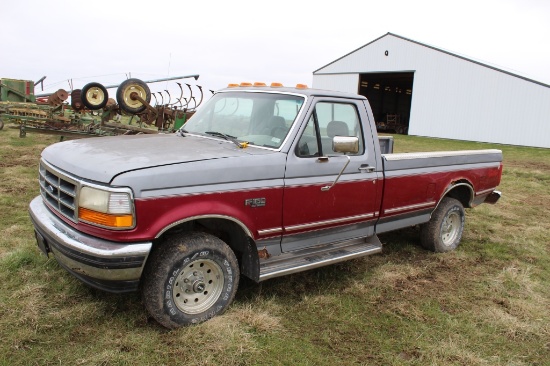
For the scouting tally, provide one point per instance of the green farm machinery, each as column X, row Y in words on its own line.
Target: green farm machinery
column 91, row 112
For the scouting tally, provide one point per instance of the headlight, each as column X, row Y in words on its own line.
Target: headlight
column 105, row 208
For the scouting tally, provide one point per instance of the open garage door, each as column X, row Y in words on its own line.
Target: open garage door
column 390, row 96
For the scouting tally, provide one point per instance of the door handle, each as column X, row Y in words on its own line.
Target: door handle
column 365, row 168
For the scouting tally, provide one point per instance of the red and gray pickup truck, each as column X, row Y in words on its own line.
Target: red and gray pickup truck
column 261, row 182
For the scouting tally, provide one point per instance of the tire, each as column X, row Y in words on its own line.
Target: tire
column 124, row 92
column 76, row 99
column 444, row 230
column 94, row 96
column 189, row 279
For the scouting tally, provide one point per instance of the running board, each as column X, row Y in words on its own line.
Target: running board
column 302, row 260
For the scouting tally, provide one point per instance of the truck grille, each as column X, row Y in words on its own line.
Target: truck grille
column 59, row 191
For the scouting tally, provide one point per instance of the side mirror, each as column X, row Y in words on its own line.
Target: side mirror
column 345, row 144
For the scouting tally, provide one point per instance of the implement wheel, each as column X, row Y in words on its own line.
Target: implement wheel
column 124, row 96
column 94, row 96
column 189, row 279
column 76, row 99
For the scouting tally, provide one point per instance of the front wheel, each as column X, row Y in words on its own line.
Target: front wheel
column 190, row 279
column 444, row 230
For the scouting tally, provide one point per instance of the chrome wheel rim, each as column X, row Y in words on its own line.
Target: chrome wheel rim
column 198, row 286
column 450, row 228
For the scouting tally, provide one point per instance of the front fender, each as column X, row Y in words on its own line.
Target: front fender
column 157, row 215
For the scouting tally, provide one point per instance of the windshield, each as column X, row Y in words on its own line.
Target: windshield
column 261, row 119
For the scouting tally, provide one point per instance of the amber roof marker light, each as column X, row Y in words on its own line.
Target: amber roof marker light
column 261, row 84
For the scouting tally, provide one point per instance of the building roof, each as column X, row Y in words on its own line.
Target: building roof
column 439, row 50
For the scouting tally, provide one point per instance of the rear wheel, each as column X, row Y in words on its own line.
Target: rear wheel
column 444, row 230
column 189, row 279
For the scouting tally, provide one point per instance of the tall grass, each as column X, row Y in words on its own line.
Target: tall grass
column 485, row 304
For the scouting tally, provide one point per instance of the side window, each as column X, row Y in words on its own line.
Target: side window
column 329, row 120
column 307, row 146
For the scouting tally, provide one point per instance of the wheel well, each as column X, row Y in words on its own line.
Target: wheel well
column 232, row 234
column 462, row 191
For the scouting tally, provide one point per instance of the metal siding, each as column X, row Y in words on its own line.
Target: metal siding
column 452, row 97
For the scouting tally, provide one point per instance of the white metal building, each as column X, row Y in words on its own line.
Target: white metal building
column 427, row 91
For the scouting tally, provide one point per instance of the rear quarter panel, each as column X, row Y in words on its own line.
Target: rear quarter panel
column 415, row 182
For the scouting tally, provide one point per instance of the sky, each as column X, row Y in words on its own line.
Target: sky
column 246, row 41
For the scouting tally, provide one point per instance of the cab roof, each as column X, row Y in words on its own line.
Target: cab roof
column 308, row 92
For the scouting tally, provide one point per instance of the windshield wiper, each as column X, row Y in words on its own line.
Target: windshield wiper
column 233, row 139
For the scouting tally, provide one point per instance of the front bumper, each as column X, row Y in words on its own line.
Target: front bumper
column 106, row 265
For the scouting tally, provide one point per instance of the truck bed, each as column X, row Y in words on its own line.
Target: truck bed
column 414, row 182
column 418, row 160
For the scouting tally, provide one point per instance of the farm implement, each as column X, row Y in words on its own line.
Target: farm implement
column 91, row 112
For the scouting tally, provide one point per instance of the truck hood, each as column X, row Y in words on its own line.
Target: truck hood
column 101, row 159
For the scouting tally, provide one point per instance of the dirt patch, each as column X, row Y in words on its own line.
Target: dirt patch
column 529, row 165
column 18, row 161
column 447, row 280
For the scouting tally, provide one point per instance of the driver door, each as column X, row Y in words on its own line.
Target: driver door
column 313, row 215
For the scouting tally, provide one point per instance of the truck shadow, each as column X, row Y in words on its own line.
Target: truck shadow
column 401, row 246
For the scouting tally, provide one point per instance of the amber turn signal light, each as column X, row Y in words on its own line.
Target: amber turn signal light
column 103, row 219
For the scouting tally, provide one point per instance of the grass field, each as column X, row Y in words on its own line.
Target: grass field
column 488, row 303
